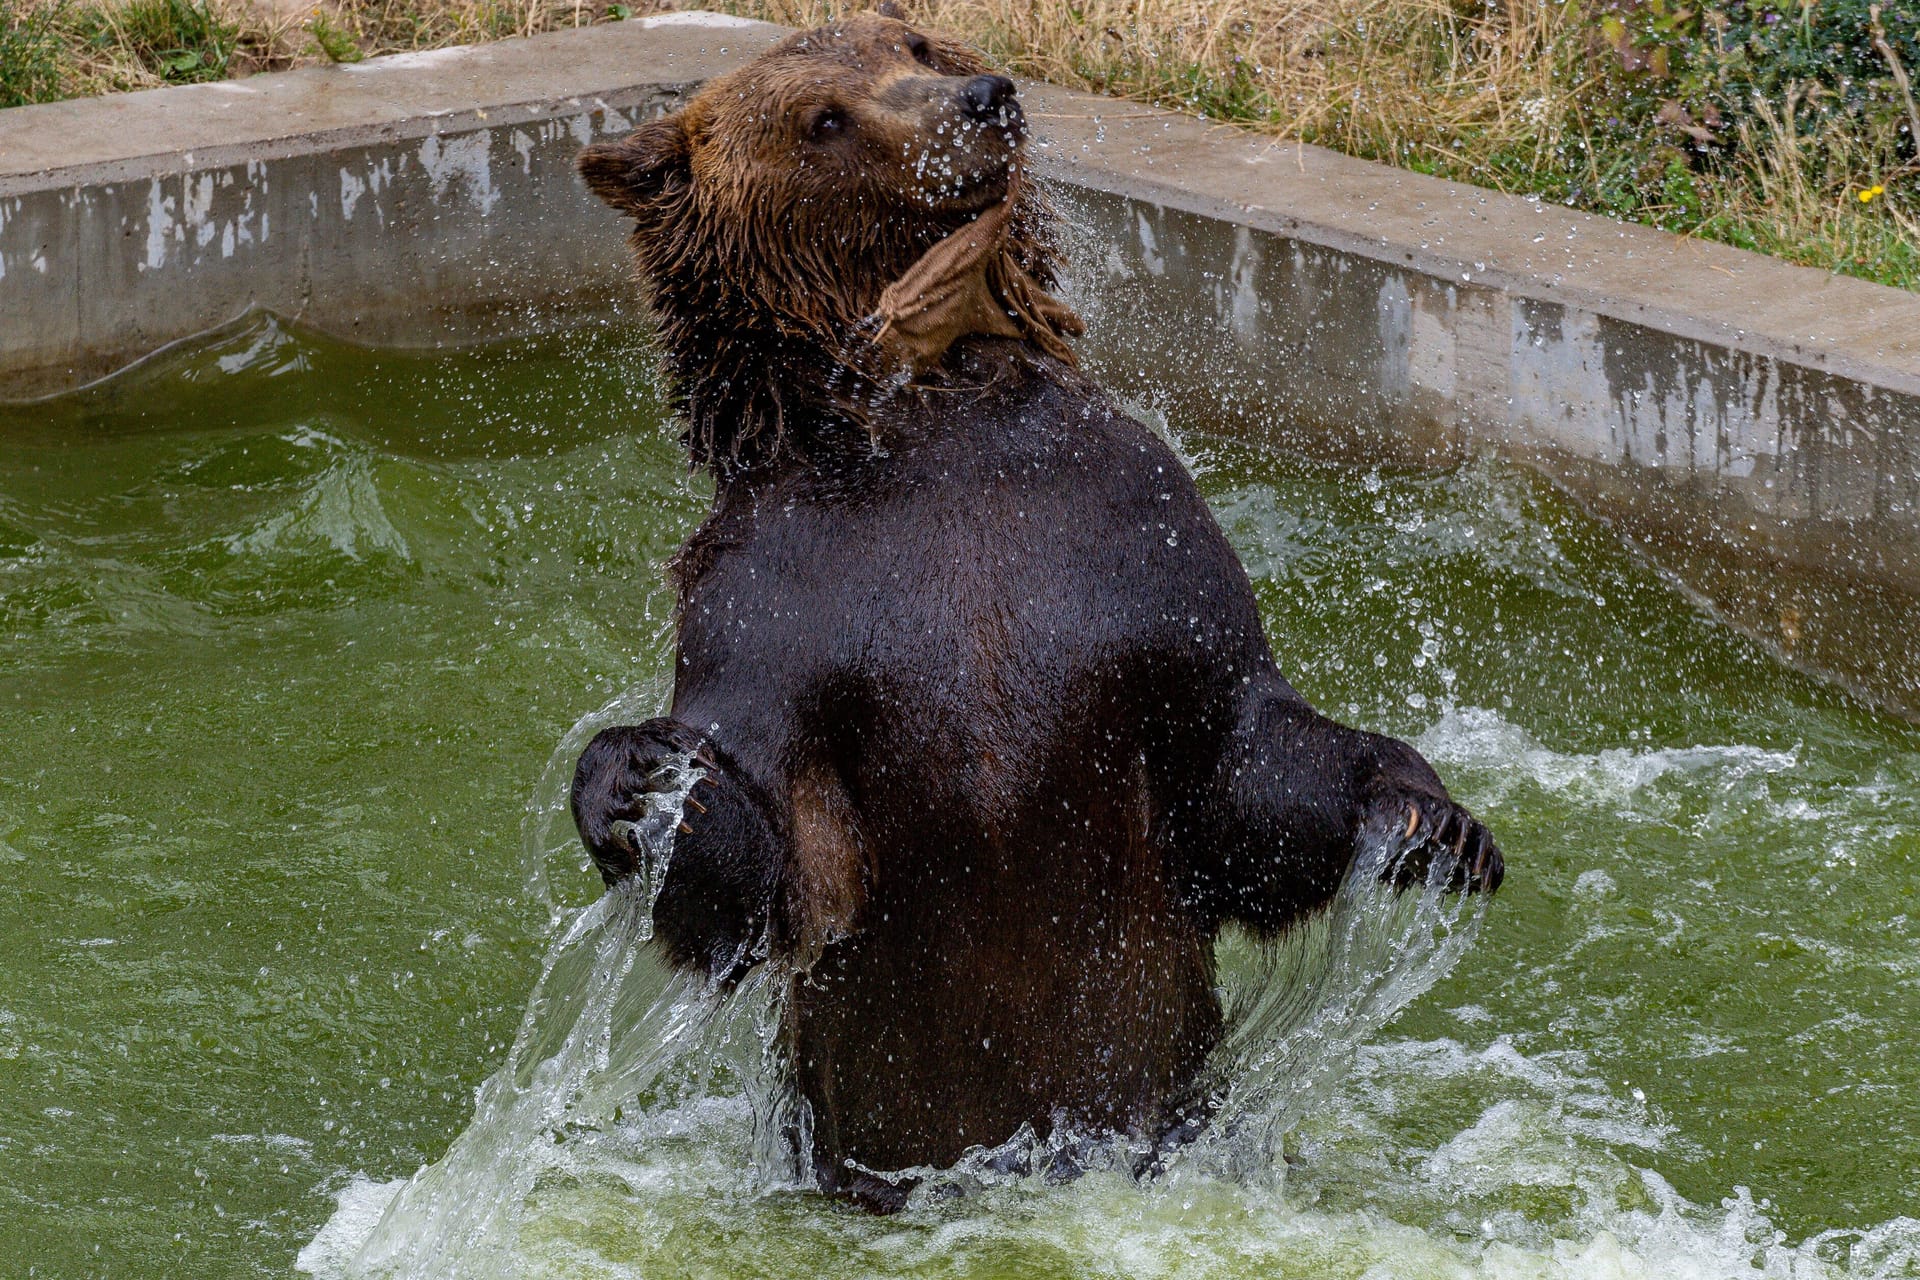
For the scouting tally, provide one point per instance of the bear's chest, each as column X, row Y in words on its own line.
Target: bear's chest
column 1030, row 594
column 969, row 581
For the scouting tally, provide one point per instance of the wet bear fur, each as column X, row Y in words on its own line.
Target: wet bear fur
column 992, row 740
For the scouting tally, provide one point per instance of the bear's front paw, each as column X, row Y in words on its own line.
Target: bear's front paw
column 1418, row 831
column 661, row 800
column 628, row 778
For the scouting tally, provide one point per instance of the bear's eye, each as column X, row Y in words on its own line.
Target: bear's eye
column 922, row 51
column 827, row 123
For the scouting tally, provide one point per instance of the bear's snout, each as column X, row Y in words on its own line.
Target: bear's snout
column 991, row 100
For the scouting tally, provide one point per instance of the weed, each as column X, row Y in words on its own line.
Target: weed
column 31, row 43
column 333, row 40
column 180, row 41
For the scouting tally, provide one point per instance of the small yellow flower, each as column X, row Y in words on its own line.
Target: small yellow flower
column 1866, row 197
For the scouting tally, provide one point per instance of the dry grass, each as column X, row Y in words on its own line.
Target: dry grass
column 88, row 47
column 1808, row 184
column 1408, row 80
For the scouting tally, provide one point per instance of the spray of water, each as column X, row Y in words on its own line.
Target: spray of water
column 1298, row 1009
column 605, row 1026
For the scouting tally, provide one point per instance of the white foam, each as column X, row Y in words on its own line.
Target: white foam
column 683, row 1210
column 669, row 1191
column 1481, row 739
column 358, row 1207
column 272, row 1141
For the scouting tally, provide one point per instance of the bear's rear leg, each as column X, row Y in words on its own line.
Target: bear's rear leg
column 713, row 900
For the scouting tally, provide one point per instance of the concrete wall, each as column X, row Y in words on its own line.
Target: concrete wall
column 1755, row 426
column 410, row 200
column 1785, row 495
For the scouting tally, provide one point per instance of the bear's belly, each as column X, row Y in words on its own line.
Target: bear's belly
column 1061, row 987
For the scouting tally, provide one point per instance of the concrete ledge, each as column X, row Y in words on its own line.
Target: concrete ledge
column 1755, row 425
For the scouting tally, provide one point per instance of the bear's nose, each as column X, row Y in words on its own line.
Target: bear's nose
column 986, row 96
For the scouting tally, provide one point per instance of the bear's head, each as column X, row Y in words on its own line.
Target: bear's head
column 826, row 222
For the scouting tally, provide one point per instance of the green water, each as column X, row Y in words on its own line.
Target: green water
column 289, row 633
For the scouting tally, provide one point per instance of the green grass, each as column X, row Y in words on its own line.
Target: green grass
column 55, row 49
column 32, row 49
column 180, row 41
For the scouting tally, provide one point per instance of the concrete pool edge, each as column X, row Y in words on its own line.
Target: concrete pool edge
column 1755, row 425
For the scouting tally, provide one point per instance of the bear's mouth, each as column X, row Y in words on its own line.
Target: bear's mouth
column 970, row 173
column 1005, row 118
column 974, row 191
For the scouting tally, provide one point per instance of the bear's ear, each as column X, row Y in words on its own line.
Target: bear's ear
column 888, row 9
column 635, row 171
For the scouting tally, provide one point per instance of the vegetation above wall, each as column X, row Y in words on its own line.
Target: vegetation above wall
column 1786, row 126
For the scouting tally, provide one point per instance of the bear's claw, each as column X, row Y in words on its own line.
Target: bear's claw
column 1434, row 825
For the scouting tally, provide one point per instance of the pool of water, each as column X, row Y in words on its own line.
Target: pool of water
column 289, row 635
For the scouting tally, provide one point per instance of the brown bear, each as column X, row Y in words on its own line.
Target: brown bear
column 993, row 744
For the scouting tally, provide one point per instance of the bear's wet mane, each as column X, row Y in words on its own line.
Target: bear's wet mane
column 769, row 325
column 769, row 343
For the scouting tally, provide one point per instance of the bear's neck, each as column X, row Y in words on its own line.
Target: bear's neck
column 753, row 392
column 761, row 334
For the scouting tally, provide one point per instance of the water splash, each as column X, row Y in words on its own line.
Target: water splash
column 1621, row 778
column 640, row 1118
column 606, row 1024
column 340, row 509
column 547, row 834
column 1299, row 1009
column 458, row 1217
